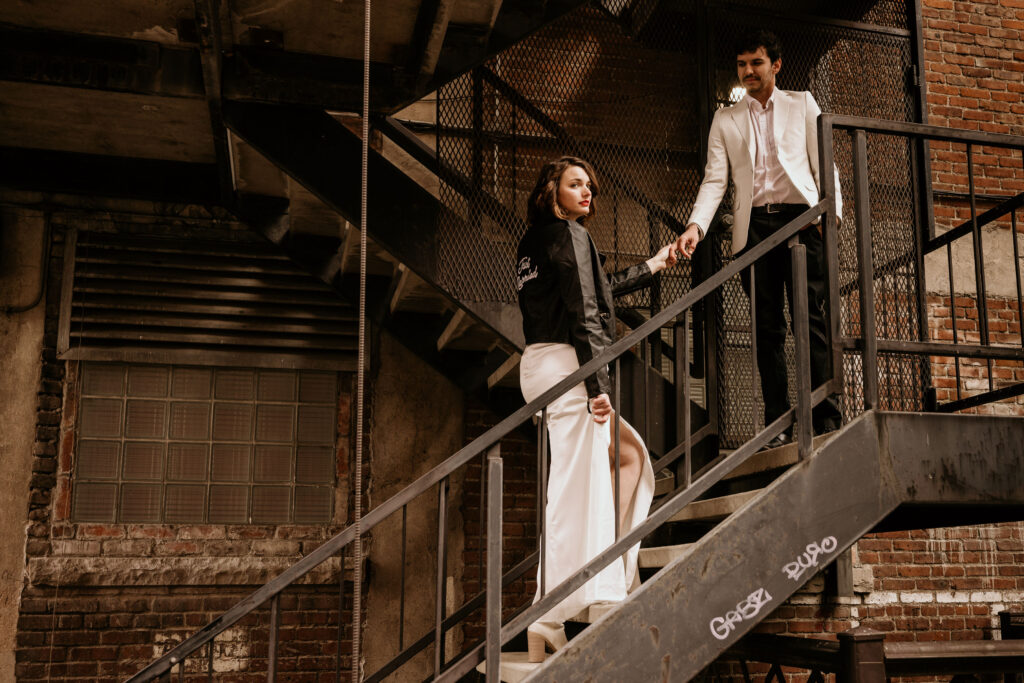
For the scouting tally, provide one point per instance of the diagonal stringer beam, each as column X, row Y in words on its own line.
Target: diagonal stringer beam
column 323, row 155
column 881, row 464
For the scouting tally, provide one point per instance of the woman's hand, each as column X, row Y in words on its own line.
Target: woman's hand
column 665, row 258
column 601, row 408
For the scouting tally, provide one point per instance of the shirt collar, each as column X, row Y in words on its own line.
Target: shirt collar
column 756, row 106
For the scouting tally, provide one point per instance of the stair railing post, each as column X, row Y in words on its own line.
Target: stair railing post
column 542, row 497
column 802, row 333
column 682, row 386
column 493, row 599
column 861, row 656
column 441, row 593
column 830, row 234
column 862, row 202
column 275, row 620
column 617, row 436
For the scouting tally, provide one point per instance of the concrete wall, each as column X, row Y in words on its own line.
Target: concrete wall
column 21, row 340
column 416, row 423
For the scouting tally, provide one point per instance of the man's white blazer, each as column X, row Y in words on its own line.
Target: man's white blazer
column 731, row 149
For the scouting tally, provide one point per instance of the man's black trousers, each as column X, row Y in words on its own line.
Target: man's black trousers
column 772, row 274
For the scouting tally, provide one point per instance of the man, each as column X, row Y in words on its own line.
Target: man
column 768, row 144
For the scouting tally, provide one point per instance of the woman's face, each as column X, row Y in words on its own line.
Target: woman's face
column 574, row 193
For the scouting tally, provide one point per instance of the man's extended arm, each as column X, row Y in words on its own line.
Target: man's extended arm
column 712, row 190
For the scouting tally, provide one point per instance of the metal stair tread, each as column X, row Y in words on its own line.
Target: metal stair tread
column 656, row 557
column 664, row 482
column 775, row 458
column 714, row 508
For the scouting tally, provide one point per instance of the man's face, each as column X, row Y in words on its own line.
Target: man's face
column 756, row 72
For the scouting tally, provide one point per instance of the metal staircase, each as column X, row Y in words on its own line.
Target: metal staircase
column 883, row 469
column 882, row 466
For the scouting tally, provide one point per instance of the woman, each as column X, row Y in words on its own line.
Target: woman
column 568, row 319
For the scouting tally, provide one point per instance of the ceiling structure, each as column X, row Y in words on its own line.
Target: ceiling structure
column 124, row 99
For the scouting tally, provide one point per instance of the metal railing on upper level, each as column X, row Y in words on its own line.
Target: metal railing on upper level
column 986, row 347
column 696, row 480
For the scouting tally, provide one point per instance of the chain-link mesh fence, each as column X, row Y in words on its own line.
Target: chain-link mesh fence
column 632, row 86
column 594, row 85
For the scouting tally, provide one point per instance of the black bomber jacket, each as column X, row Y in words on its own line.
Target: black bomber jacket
column 565, row 295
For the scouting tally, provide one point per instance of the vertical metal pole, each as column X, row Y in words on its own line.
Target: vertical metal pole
column 830, row 234
column 493, row 598
column 682, row 384
column 862, row 200
column 712, row 334
column 209, row 662
column 401, row 596
column 923, row 226
column 341, row 615
column 442, row 571
column 1016, row 272
column 275, row 617
column 754, row 373
column 542, row 496
column 645, row 383
column 482, row 529
column 952, row 313
column 802, row 326
column 979, row 255
column 618, row 439
column 979, row 262
column 924, row 166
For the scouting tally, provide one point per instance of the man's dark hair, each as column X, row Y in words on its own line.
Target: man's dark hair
column 750, row 40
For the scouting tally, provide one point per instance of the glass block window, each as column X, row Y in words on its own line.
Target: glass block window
column 163, row 443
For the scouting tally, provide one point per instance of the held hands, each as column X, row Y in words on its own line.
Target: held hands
column 687, row 242
column 601, row 408
column 665, row 258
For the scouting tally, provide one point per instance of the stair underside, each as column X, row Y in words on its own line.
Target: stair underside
column 880, row 463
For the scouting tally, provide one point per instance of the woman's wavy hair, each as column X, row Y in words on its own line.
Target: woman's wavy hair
column 544, row 197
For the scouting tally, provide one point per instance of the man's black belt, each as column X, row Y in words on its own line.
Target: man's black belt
column 778, row 208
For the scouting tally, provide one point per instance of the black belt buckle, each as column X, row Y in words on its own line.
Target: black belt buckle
column 772, row 208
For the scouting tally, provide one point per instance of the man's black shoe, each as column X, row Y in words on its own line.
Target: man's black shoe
column 778, row 442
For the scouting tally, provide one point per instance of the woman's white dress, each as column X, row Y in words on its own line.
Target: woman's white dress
column 580, row 515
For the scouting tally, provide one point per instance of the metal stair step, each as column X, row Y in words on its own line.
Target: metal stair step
column 714, row 508
column 656, row 557
column 775, row 458
column 664, row 482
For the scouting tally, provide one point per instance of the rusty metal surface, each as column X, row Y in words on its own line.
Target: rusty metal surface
column 694, row 609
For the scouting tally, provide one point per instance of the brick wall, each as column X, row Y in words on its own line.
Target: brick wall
column 974, row 64
column 105, row 634
column 102, row 600
column 975, row 376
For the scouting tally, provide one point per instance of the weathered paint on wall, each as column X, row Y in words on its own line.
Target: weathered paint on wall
column 416, row 423
column 21, row 340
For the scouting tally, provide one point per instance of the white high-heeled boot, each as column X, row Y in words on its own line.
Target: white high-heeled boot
column 543, row 635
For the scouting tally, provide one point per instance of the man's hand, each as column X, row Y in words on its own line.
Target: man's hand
column 601, row 408
column 665, row 258
column 687, row 242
